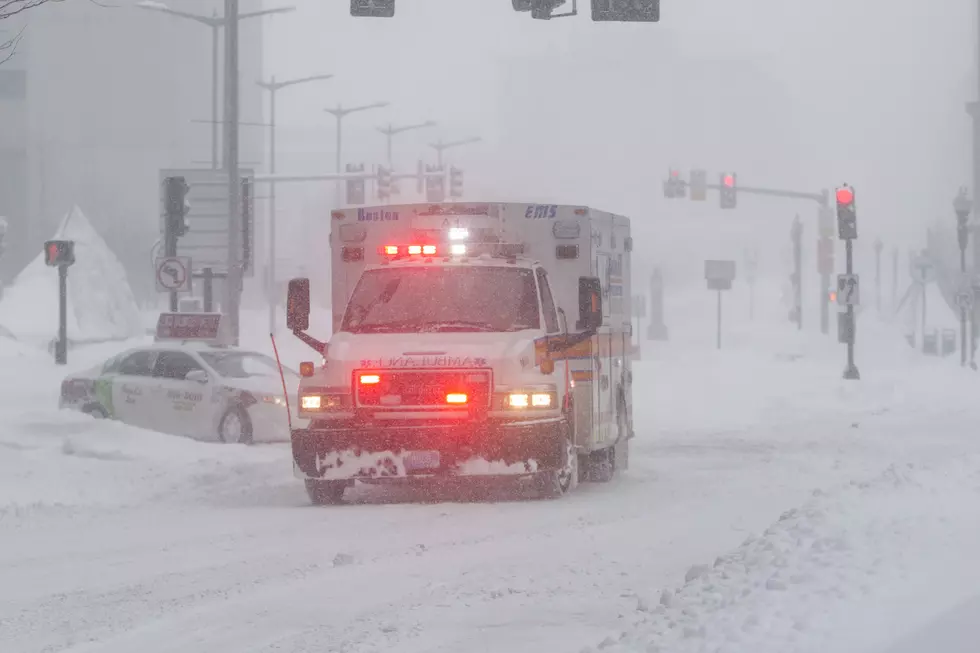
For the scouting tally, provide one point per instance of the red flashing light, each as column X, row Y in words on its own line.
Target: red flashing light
column 370, row 379
column 729, row 181
column 429, row 250
column 845, row 195
column 414, row 249
column 391, row 250
column 411, row 250
column 456, row 398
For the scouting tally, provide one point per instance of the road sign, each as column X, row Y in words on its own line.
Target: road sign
column 848, row 290
column 173, row 274
column 206, row 241
column 964, row 299
column 719, row 274
column 923, row 271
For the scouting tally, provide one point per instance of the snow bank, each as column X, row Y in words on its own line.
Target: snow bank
column 845, row 572
column 101, row 305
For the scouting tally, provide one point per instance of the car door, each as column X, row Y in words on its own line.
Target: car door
column 184, row 406
column 132, row 388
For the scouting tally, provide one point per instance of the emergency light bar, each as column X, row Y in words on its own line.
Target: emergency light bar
column 506, row 250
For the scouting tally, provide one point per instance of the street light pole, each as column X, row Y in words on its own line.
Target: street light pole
column 440, row 146
column 274, row 87
column 233, row 282
column 391, row 131
column 340, row 113
column 215, row 23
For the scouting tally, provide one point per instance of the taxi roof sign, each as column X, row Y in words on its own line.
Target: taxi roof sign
column 200, row 327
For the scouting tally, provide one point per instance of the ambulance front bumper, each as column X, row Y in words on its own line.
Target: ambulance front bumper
column 433, row 449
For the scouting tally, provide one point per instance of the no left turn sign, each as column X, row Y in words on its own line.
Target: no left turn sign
column 173, row 274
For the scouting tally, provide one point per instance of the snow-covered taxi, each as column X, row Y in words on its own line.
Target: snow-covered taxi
column 187, row 383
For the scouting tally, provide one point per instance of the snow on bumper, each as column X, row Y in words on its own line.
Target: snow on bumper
column 372, row 452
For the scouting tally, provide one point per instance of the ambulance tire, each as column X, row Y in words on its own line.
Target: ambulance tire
column 555, row 484
column 601, row 466
column 240, row 415
column 325, row 493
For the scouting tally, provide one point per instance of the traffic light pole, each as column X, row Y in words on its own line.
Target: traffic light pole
column 797, row 237
column 61, row 347
column 170, row 249
column 851, row 371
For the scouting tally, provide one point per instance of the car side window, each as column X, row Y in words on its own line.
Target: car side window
column 547, row 303
column 174, row 365
column 137, row 364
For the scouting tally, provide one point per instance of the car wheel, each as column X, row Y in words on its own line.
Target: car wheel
column 235, row 427
column 98, row 412
column 325, row 493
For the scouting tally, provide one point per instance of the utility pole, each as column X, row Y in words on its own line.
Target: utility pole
column 796, row 236
column 962, row 205
column 233, row 283
column 274, row 87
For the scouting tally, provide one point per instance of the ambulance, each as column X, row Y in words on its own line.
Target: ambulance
column 468, row 339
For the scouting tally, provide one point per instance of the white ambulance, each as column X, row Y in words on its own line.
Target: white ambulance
column 468, row 340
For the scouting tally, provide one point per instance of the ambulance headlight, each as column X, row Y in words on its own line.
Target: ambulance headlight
column 534, row 398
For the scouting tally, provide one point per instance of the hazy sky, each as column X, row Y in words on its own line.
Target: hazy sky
column 870, row 92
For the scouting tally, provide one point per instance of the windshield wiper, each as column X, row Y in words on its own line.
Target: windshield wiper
column 461, row 325
column 403, row 326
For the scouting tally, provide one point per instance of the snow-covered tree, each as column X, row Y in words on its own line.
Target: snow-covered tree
column 8, row 9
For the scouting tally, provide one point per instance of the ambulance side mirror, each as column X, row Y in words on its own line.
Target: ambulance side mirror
column 298, row 305
column 589, row 304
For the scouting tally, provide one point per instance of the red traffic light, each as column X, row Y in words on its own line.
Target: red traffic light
column 53, row 251
column 675, row 174
column 729, row 181
column 845, row 195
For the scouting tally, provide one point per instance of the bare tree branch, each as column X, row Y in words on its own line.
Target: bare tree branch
column 9, row 48
column 10, row 8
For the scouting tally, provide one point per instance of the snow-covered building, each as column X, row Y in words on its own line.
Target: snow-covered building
column 99, row 98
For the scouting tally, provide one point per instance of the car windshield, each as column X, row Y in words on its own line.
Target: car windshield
column 434, row 299
column 241, row 365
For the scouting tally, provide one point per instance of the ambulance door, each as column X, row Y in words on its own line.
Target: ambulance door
column 603, row 355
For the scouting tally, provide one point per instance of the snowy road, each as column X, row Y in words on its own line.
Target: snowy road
column 118, row 540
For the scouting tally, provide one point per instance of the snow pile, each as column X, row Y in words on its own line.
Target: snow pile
column 841, row 573
column 101, row 305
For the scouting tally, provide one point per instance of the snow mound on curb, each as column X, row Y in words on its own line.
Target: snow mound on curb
column 101, row 305
column 844, row 572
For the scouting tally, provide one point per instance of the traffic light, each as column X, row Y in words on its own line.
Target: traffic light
column 846, row 213
column 632, row 11
column 728, row 191
column 59, row 252
column 435, row 185
column 384, row 183
column 455, row 183
column 699, row 185
column 176, row 205
column 674, row 186
column 355, row 187
column 372, row 8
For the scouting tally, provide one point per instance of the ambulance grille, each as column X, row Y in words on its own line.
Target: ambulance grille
column 423, row 388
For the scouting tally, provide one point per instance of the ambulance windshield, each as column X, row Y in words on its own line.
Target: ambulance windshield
column 443, row 299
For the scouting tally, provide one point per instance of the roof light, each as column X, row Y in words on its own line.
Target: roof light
column 370, row 379
column 391, row 250
column 456, row 398
column 414, row 249
column 459, row 233
column 458, row 249
column 429, row 250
